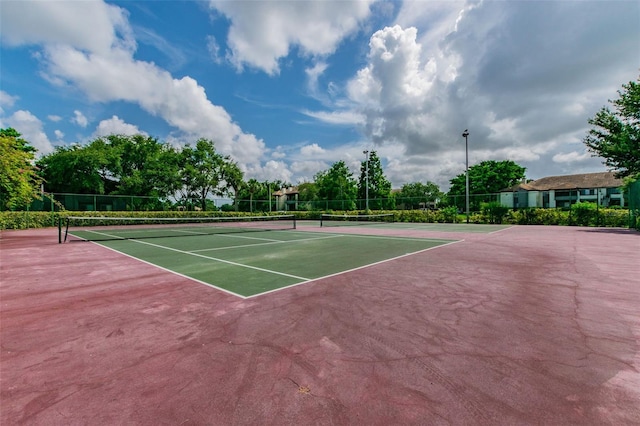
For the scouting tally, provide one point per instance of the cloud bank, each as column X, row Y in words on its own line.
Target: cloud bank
column 523, row 77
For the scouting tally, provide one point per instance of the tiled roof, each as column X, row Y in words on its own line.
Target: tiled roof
column 581, row 181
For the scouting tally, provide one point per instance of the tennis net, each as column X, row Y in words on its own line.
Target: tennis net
column 93, row 228
column 354, row 220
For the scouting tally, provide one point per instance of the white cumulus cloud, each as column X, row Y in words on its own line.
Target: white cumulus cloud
column 312, row 150
column 79, row 119
column 31, row 129
column 89, row 25
column 6, row 100
column 96, row 56
column 571, row 157
column 263, row 32
column 116, row 126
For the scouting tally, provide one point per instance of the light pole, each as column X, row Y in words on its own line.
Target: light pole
column 366, row 179
column 465, row 135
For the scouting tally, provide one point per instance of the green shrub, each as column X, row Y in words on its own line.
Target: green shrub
column 494, row 211
column 531, row 216
column 617, row 218
column 448, row 214
column 583, row 214
column 27, row 219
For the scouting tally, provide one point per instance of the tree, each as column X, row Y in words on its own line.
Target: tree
column 201, row 172
column 337, row 186
column 372, row 178
column 251, row 190
column 616, row 134
column 141, row 165
column 233, row 179
column 116, row 164
column 418, row 195
column 485, row 179
column 258, row 196
column 19, row 182
column 308, row 191
column 78, row 170
column 308, row 196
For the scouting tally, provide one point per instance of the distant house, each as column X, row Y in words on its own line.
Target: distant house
column 562, row 191
column 286, row 198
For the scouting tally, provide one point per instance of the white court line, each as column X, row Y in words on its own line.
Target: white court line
column 303, row 280
column 353, row 269
column 222, row 260
column 100, row 233
column 185, row 231
column 500, row 230
column 172, row 271
column 245, row 237
column 381, row 237
column 264, row 244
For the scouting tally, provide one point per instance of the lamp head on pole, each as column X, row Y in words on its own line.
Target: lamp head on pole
column 465, row 133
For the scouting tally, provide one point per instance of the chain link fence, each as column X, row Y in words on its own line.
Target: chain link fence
column 634, row 204
column 578, row 211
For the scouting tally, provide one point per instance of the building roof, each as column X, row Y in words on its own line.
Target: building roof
column 286, row 191
column 581, row 181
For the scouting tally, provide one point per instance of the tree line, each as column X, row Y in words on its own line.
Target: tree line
column 143, row 166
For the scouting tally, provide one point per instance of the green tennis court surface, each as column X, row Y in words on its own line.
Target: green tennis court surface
column 252, row 263
column 437, row 227
column 448, row 227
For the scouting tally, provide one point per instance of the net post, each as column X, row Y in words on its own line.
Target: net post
column 66, row 229
column 294, row 222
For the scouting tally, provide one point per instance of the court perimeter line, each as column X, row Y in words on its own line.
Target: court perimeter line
column 172, row 271
column 265, row 244
column 222, row 260
column 353, row 269
column 101, row 233
column 500, row 230
column 383, row 237
column 303, row 280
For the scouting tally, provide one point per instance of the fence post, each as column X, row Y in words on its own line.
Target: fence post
column 597, row 207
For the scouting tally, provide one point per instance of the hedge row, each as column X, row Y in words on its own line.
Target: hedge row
column 533, row 216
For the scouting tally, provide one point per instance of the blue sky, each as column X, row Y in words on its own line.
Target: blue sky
column 289, row 87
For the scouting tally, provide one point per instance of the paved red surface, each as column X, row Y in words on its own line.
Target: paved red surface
column 531, row 325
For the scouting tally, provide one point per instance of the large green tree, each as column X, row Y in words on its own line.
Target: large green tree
column 308, row 191
column 78, row 169
column 19, row 182
column 233, row 178
column 486, row 178
column 258, row 196
column 115, row 164
column 373, row 185
column 338, row 186
column 615, row 135
column 201, row 171
column 418, row 195
column 141, row 165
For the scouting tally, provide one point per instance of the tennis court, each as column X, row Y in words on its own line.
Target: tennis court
column 436, row 227
column 522, row 325
column 249, row 264
column 244, row 256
